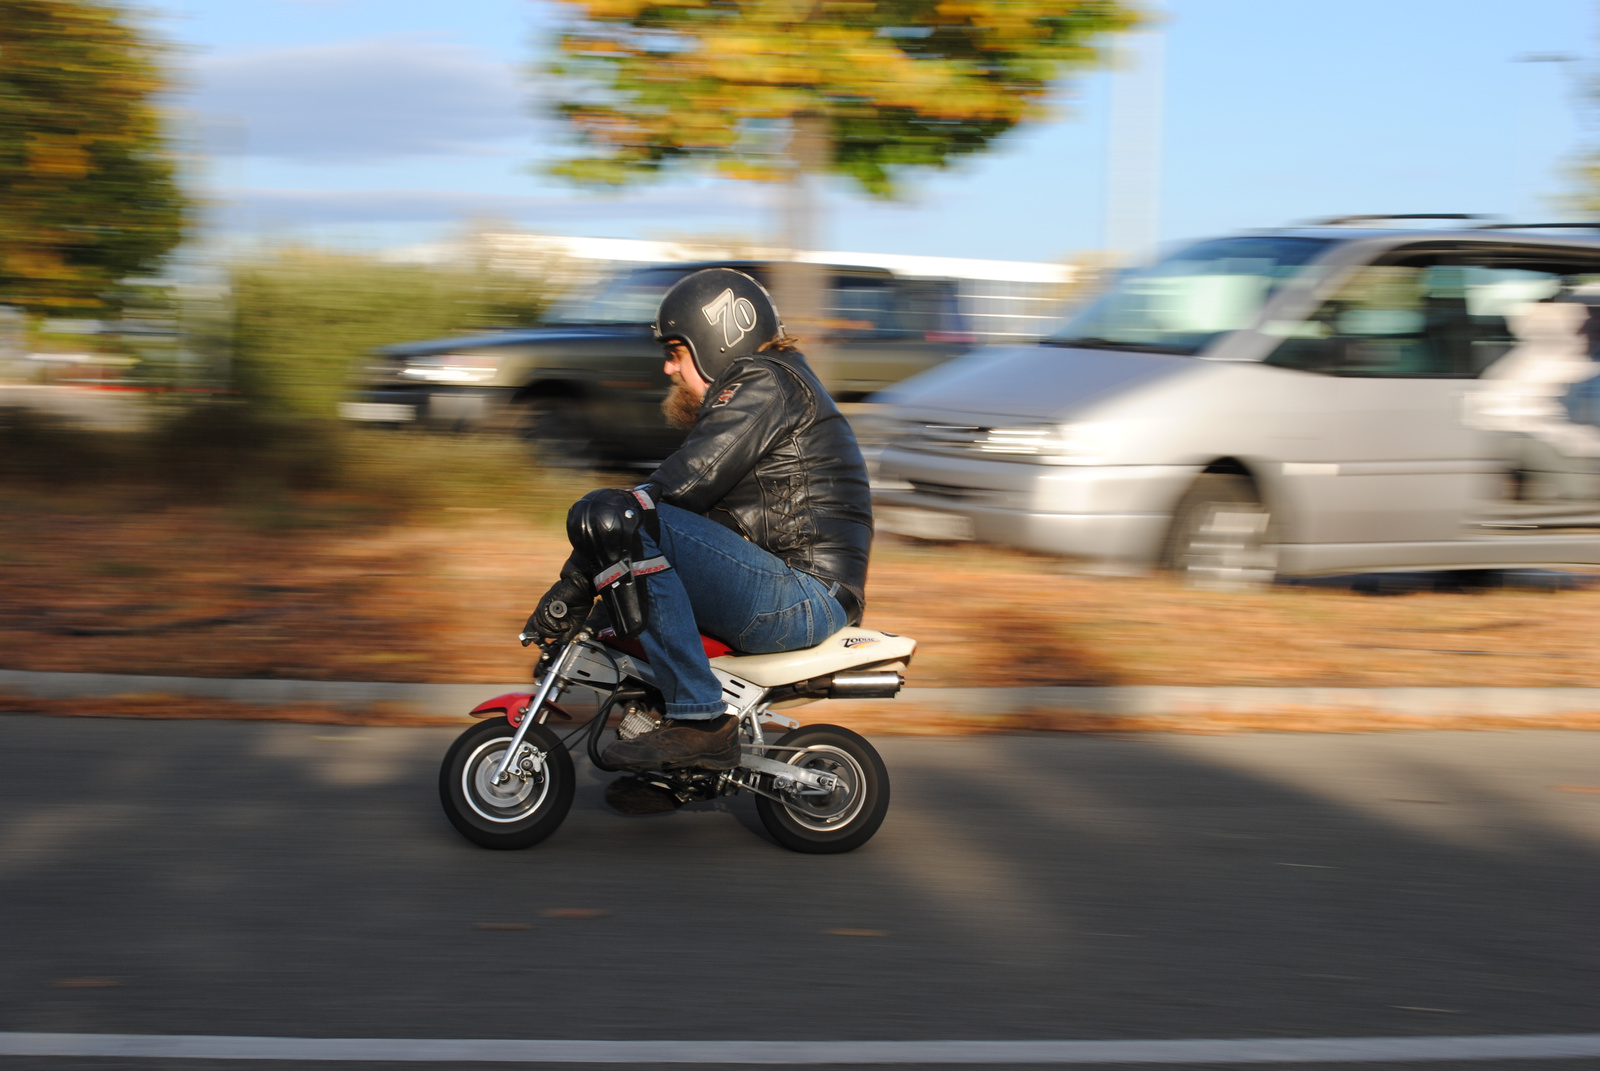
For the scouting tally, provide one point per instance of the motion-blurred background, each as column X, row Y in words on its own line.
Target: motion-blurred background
column 315, row 314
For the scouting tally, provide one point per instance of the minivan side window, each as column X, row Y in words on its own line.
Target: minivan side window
column 1435, row 317
column 1413, row 321
column 1431, row 312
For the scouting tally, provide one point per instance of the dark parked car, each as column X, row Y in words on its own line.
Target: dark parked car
column 588, row 385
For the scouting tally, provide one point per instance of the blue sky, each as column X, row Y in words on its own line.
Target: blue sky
column 382, row 122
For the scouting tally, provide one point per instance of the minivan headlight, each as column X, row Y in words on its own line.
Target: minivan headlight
column 1049, row 442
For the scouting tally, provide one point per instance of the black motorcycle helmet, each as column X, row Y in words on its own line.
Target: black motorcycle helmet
column 720, row 314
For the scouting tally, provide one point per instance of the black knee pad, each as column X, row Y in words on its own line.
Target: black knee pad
column 603, row 526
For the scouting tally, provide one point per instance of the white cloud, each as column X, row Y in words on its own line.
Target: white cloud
column 367, row 101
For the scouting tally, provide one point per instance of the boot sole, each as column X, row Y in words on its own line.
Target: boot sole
column 716, row 762
column 704, row 762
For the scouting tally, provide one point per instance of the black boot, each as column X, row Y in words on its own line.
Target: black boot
column 705, row 744
column 638, row 795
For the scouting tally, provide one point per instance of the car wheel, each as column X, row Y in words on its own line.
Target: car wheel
column 558, row 431
column 1222, row 536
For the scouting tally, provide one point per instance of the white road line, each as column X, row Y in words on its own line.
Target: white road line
column 1172, row 1053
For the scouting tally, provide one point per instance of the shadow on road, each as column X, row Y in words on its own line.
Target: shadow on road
column 165, row 877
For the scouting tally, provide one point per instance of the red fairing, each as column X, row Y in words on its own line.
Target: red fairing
column 512, row 704
column 713, row 648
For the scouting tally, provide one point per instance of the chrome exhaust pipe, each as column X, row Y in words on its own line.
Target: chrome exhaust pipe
column 864, row 685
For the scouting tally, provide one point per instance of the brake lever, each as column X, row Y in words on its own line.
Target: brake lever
column 546, row 647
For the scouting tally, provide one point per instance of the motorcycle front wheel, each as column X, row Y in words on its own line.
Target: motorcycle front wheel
column 523, row 811
column 838, row 821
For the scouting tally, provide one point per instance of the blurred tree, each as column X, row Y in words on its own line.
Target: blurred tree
column 779, row 89
column 891, row 84
column 88, row 192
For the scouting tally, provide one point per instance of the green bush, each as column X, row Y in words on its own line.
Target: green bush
column 196, row 450
column 285, row 335
column 280, row 471
column 302, row 321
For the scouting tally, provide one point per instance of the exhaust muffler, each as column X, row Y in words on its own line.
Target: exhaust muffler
column 864, row 685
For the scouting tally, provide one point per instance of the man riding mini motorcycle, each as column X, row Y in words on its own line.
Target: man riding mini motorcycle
column 756, row 531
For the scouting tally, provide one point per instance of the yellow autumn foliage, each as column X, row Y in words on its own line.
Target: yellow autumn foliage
column 88, row 190
column 650, row 83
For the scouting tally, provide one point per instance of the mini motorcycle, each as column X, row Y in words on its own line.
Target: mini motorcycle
column 508, row 782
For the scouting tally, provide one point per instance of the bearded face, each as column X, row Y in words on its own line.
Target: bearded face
column 681, row 407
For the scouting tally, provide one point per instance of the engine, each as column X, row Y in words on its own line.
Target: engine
column 637, row 719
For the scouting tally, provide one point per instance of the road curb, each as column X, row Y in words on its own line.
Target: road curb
column 418, row 700
column 1178, row 700
column 435, row 701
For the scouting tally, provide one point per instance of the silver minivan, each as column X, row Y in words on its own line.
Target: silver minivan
column 1300, row 402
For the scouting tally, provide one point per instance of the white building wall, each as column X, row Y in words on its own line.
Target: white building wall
column 1001, row 300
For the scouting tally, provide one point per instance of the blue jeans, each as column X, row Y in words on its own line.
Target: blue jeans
column 724, row 585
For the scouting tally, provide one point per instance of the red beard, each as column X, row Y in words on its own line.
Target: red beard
column 680, row 406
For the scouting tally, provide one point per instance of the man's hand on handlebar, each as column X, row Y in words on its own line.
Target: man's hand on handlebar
column 560, row 614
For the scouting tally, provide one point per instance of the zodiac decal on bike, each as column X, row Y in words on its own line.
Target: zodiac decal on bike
column 736, row 315
column 852, row 642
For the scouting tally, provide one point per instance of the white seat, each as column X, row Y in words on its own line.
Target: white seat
column 845, row 649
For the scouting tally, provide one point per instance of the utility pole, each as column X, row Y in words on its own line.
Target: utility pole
column 1133, row 152
column 798, row 285
column 1526, row 178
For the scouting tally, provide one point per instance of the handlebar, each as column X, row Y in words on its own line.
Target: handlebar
column 550, row 646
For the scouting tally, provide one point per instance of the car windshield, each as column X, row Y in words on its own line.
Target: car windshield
column 628, row 299
column 1181, row 304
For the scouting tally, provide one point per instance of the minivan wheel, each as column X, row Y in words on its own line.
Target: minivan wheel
column 1222, row 536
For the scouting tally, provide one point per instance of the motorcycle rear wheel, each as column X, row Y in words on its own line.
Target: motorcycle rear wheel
column 518, row 814
column 846, row 818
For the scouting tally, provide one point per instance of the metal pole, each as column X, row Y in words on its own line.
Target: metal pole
column 799, row 286
column 1133, row 157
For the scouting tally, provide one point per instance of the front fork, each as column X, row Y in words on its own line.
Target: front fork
column 553, row 684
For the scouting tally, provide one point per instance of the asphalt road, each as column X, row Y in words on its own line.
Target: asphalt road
column 282, row 880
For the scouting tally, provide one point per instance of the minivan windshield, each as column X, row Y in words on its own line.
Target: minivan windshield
column 1180, row 304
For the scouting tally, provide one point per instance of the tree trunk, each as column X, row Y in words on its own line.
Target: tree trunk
column 799, row 287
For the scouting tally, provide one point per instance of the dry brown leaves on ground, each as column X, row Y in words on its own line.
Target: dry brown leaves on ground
column 194, row 591
column 191, row 708
column 875, row 719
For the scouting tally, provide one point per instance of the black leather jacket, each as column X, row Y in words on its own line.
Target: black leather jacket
column 771, row 457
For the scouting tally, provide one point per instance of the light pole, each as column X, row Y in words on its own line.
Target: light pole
column 1523, row 176
column 1133, row 150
